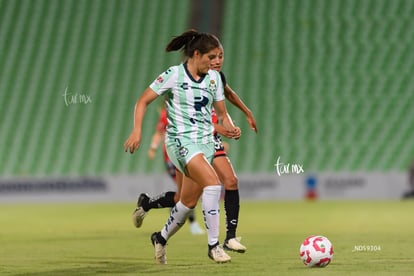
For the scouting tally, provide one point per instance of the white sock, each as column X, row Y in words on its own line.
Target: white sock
column 211, row 212
column 178, row 216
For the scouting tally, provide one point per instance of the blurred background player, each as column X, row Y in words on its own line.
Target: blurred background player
column 221, row 164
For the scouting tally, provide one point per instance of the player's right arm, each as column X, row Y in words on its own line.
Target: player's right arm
column 134, row 139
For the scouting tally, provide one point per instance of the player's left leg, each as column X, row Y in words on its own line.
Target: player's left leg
column 168, row 199
column 164, row 200
column 145, row 203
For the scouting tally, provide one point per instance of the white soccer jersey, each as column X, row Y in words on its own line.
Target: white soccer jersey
column 189, row 103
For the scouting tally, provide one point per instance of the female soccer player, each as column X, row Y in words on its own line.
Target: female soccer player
column 190, row 90
column 222, row 166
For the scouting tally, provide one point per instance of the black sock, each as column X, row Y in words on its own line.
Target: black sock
column 161, row 239
column 232, row 207
column 212, row 246
column 191, row 217
column 163, row 200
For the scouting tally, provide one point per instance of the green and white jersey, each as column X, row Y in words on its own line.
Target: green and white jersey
column 189, row 103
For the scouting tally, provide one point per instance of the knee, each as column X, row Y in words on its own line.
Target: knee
column 231, row 183
column 189, row 203
column 176, row 197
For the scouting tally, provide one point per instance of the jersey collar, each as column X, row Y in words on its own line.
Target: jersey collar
column 191, row 76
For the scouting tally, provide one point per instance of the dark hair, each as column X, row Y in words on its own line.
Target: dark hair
column 192, row 40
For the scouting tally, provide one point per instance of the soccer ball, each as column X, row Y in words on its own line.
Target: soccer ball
column 316, row 251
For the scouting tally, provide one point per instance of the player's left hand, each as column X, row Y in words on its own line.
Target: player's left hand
column 236, row 133
column 252, row 122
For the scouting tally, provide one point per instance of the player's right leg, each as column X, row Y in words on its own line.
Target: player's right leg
column 159, row 244
column 204, row 181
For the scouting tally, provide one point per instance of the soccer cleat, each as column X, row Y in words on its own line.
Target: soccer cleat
column 234, row 245
column 160, row 252
column 218, row 255
column 195, row 229
column 138, row 216
column 143, row 197
column 139, row 213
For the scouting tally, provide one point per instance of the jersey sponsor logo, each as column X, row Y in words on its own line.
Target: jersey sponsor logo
column 200, row 102
column 200, row 88
column 186, row 86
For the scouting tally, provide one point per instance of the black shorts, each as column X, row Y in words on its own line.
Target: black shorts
column 218, row 146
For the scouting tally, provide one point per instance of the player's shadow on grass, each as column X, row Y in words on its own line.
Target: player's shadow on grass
column 133, row 266
column 129, row 266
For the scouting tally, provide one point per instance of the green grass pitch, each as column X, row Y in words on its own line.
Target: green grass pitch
column 369, row 238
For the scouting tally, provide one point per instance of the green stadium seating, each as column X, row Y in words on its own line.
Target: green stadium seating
column 330, row 83
column 108, row 50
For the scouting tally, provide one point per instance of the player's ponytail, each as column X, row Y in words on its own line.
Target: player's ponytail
column 179, row 41
column 192, row 40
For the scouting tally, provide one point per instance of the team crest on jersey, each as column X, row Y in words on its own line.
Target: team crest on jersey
column 213, row 85
column 183, row 151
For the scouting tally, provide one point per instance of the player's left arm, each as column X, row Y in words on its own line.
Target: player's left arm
column 223, row 131
column 232, row 96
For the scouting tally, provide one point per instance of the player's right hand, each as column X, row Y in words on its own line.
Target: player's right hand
column 133, row 142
